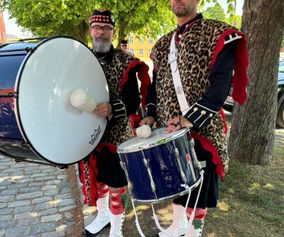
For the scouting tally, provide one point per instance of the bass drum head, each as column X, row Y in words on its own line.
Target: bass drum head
column 54, row 129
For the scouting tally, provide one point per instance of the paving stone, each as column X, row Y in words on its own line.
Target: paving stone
column 41, row 199
column 53, row 182
column 54, row 234
column 29, row 189
column 42, row 206
column 2, row 187
column 8, row 192
column 29, row 195
column 6, row 198
column 61, row 176
column 51, row 218
column 18, row 231
column 48, row 212
column 3, row 204
column 5, row 217
column 23, row 209
column 36, row 184
column 49, row 187
column 51, row 193
column 43, row 228
column 45, row 178
column 27, row 222
column 5, row 211
column 26, row 215
column 19, row 203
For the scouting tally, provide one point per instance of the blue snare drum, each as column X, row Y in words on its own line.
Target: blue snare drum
column 159, row 167
column 37, row 122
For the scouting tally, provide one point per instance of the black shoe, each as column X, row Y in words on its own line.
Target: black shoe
column 89, row 234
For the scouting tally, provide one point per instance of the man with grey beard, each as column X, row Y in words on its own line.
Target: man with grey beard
column 101, row 173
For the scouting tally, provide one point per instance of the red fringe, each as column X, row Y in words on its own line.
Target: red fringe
column 92, row 180
column 208, row 146
column 134, row 121
column 240, row 79
column 143, row 76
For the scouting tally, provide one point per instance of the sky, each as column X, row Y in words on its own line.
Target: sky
column 12, row 28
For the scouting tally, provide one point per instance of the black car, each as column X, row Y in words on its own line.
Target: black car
column 280, row 111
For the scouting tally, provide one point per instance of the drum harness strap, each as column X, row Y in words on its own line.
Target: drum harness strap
column 172, row 60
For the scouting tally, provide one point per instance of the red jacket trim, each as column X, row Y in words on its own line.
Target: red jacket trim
column 143, row 76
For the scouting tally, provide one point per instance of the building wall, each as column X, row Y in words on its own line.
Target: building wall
column 2, row 29
column 140, row 46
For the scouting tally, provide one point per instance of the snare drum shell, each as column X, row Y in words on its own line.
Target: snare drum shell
column 156, row 173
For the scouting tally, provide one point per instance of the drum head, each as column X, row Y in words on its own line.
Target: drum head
column 157, row 137
column 54, row 129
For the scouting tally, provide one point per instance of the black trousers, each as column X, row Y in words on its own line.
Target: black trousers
column 109, row 169
column 210, row 191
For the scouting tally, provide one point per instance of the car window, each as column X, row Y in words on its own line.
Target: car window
column 281, row 66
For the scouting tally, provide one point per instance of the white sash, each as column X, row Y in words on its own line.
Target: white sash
column 172, row 59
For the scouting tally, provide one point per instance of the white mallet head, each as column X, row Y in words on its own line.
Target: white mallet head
column 144, row 131
column 81, row 100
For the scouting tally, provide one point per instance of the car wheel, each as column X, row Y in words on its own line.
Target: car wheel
column 280, row 113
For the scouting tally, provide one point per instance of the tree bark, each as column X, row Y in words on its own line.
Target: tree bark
column 253, row 125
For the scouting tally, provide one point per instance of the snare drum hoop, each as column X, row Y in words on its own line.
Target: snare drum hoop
column 95, row 133
column 165, row 140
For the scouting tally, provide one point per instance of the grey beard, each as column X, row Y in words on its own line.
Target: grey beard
column 101, row 48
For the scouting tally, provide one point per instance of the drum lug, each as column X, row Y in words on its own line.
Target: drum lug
column 13, row 94
column 28, row 49
column 10, row 94
column 26, row 144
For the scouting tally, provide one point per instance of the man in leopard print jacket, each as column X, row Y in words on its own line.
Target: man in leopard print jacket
column 101, row 173
column 204, row 53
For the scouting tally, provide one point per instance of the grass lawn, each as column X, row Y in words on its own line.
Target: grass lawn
column 251, row 204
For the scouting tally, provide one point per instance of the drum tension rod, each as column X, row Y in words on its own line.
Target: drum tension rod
column 9, row 95
column 29, row 49
column 26, row 144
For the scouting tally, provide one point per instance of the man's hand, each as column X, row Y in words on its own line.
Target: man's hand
column 149, row 120
column 103, row 110
column 177, row 123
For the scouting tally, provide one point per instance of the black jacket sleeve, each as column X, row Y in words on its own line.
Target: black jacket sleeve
column 151, row 98
column 130, row 101
column 213, row 99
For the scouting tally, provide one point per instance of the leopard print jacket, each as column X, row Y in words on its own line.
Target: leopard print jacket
column 196, row 48
column 118, row 130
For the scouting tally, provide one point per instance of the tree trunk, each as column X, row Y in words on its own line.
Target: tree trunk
column 253, row 125
column 121, row 31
